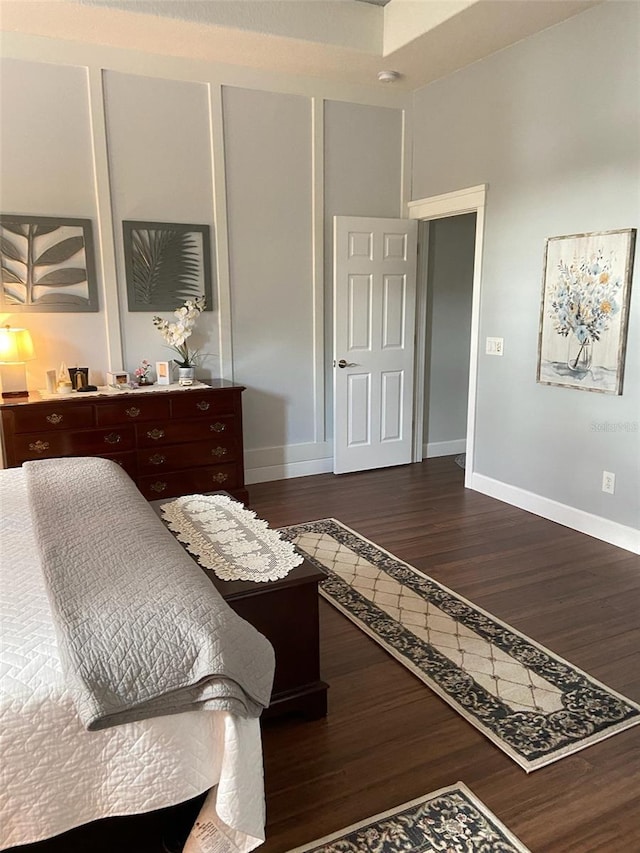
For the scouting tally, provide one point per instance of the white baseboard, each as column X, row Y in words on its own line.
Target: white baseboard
column 282, row 463
column 577, row 519
column 444, row 448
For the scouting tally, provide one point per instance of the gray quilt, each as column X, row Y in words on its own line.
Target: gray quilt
column 142, row 631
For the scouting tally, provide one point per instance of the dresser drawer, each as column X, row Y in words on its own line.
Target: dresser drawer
column 172, row 432
column 133, row 410
column 73, row 443
column 173, row 457
column 56, row 416
column 124, row 460
column 193, row 481
column 194, row 404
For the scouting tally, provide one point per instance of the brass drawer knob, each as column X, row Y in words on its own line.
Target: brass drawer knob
column 157, row 459
column 218, row 451
column 113, row 438
column 155, row 434
column 203, row 405
column 158, row 486
column 217, row 427
column 54, row 418
column 220, row 477
column 132, row 411
column 39, row 446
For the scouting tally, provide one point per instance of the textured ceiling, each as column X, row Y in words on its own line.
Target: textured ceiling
column 338, row 40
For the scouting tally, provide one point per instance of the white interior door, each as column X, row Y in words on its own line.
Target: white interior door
column 374, row 294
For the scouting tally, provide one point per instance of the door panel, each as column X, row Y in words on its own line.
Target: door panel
column 374, row 315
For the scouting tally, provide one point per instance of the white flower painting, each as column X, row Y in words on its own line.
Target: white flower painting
column 584, row 311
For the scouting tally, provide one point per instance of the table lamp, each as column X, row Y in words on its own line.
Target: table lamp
column 16, row 348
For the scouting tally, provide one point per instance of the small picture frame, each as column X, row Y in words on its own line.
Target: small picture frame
column 163, row 373
column 117, row 379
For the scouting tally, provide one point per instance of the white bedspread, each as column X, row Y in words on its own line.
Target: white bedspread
column 54, row 774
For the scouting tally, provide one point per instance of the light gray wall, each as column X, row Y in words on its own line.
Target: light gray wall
column 160, row 139
column 268, row 167
column 362, row 177
column 47, row 170
column 160, row 171
column 552, row 125
column 450, row 249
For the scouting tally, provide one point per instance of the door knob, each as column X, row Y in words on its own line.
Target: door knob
column 344, row 363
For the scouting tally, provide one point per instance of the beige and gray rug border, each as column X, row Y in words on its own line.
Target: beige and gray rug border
column 458, row 787
column 527, row 765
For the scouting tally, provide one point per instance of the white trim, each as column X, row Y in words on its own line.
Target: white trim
column 105, row 225
column 420, row 343
column 61, row 51
column 406, row 161
column 317, row 262
column 444, row 448
column 593, row 525
column 469, row 200
column 282, row 463
column 448, row 204
column 219, row 195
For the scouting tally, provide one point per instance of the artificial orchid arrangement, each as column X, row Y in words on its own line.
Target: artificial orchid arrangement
column 176, row 334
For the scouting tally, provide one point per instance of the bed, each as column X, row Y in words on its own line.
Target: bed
column 63, row 767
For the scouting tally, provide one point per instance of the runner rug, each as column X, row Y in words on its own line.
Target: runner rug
column 451, row 819
column 531, row 703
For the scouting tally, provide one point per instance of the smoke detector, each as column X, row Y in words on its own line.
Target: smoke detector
column 389, row 76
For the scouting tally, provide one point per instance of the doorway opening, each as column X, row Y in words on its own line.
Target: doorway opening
column 446, row 257
column 429, row 210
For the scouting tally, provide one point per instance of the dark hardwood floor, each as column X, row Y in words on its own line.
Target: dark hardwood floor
column 387, row 738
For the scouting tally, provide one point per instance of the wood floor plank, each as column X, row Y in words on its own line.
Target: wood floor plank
column 387, row 738
column 568, row 591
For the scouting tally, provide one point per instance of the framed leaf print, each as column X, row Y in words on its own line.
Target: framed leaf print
column 166, row 264
column 48, row 264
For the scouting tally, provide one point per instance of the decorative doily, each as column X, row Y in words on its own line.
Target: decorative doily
column 229, row 539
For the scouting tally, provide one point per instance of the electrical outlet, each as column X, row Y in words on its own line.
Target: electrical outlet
column 495, row 346
column 608, row 482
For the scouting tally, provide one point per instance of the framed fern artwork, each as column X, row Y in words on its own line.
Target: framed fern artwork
column 48, row 264
column 166, row 264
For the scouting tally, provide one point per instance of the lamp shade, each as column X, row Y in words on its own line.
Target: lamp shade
column 16, row 346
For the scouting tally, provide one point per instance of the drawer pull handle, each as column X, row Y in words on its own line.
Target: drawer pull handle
column 217, row 427
column 157, row 459
column 54, row 418
column 155, row 434
column 39, row 446
column 218, row 451
column 158, row 486
column 133, row 411
column 220, row 477
column 203, row 405
column 113, row 438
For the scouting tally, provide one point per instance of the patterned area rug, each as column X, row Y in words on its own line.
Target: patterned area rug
column 451, row 819
column 531, row 703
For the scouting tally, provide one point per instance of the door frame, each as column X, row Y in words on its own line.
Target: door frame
column 469, row 200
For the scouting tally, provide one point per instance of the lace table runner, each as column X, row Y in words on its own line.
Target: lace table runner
column 229, row 539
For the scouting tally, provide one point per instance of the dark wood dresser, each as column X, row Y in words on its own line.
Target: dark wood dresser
column 171, row 442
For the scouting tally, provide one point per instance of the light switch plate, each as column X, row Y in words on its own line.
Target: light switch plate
column 495, row 346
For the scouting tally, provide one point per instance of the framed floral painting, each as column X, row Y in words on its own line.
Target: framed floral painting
column 585, row 310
